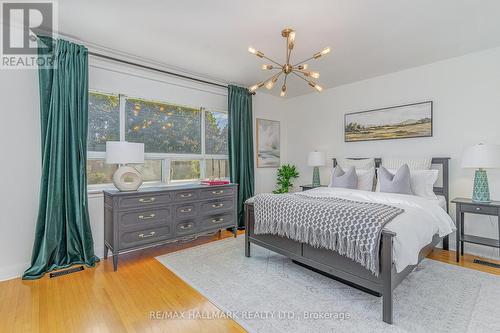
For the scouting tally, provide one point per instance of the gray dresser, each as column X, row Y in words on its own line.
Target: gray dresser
column 154, row 216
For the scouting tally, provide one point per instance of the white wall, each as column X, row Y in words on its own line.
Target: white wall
column 20, row 146
column 20, row 169
column 466, row 95
column 269, row 107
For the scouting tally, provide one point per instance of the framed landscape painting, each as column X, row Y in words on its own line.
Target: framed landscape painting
column 268, row 143
column 397, row 122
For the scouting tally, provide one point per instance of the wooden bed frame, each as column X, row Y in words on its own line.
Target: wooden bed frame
column 342, row 268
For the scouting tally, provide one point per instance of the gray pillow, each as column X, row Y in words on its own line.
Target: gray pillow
column 345, row 179
column 397, row 183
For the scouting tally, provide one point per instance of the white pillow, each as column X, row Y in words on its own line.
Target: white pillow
column 423, row 163
column 365, row 179
column 365, row 163
column 422, row 183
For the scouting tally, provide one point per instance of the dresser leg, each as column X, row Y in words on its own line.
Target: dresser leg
column 459, row 232
column 235, row 232
column 115, row 262
column 105, row 252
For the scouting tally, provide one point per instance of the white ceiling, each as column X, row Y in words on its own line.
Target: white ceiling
column 368, row 38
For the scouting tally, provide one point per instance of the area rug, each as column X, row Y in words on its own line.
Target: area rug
column 269, row 293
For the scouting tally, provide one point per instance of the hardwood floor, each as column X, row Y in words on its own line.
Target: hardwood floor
column 100, row 300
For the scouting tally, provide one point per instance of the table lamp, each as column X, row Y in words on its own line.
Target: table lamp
column 480, row 157
column 316, row 159
column 125, row 178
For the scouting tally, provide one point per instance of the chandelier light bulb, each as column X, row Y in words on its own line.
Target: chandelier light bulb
column 283, row 91
column 314, row 75
column 264, row 67
column 252, row 50
column 322, row 53
column 303, row 66
column 270, row 83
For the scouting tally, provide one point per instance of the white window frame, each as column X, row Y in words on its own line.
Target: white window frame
column 166, row 158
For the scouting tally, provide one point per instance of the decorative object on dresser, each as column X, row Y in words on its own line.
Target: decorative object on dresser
column 268, row 143
column 155, row 216
column 285, row 174
column 316, row 159
column 481, row 157
column 491, row 208
column 396, row 122
column 125, row 178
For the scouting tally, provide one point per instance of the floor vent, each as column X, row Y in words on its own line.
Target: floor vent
column 486, row 263
column 66, row 272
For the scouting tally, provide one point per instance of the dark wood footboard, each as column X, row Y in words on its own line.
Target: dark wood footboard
column 339, row 266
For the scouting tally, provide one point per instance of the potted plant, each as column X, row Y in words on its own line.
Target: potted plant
column 286, row 173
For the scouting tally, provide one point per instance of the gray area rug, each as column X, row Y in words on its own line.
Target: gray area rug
column 269, row 293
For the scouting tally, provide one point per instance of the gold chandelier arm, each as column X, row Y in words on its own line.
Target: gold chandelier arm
column 300, row 76
column 271, row 60
column 303, row 61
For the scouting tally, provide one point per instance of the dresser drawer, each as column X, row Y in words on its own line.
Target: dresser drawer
column 139, row 201
column 216, row 206
column 185, row 195
column 186, row 227
column 146, row 218
column 217, row 192
column 479, row 209
column 130, row 239
column 186, row 210
column 217, row 221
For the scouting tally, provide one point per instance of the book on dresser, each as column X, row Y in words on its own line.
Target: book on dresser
column 155, row 216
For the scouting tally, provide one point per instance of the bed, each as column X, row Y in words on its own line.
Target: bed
column 394, row 264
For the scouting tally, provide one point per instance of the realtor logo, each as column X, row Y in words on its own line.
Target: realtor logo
column 22, row 22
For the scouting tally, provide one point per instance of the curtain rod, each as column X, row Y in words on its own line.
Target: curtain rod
column 156, row 69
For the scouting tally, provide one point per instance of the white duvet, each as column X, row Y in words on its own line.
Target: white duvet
column 415, row 228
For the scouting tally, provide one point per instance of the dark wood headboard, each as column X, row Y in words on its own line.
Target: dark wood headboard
column 443, row 190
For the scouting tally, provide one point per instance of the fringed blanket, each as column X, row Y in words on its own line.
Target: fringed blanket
column 350, row 228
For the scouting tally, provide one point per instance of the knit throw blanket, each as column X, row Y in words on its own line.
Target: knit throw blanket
column 351, row 228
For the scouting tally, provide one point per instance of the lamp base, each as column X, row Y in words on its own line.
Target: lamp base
column 316, row 179
column 127, row 178
column 481, row 191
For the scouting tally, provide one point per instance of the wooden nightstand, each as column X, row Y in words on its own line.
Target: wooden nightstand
column 469, row 206
column 309, row 187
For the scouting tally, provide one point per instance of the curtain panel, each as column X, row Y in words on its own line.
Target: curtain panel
column 240, row 139
column 62, row 235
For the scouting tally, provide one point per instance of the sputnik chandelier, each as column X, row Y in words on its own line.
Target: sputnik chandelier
column 299, row 69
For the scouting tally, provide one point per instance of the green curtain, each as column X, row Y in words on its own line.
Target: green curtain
column 241, row 145
column 62, row 235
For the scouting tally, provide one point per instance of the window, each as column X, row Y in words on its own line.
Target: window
column 163, row 128
column 182, row 143
column 104, row 120
column 215, row 132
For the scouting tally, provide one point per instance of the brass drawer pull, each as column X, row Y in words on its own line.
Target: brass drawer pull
column 144, row 200
column 186, row 226
column 218, row 192
column 186, row 210
column 150, row 216
column 217, row 220
column 217, row 205
column 151, row 234
column 186, row 195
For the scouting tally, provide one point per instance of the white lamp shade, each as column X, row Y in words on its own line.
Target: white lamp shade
column 118, row 152
column 481, row 156
column 316, row 158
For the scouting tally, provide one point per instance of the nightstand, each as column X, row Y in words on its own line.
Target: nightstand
column 468, row 206
column 309, row 187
